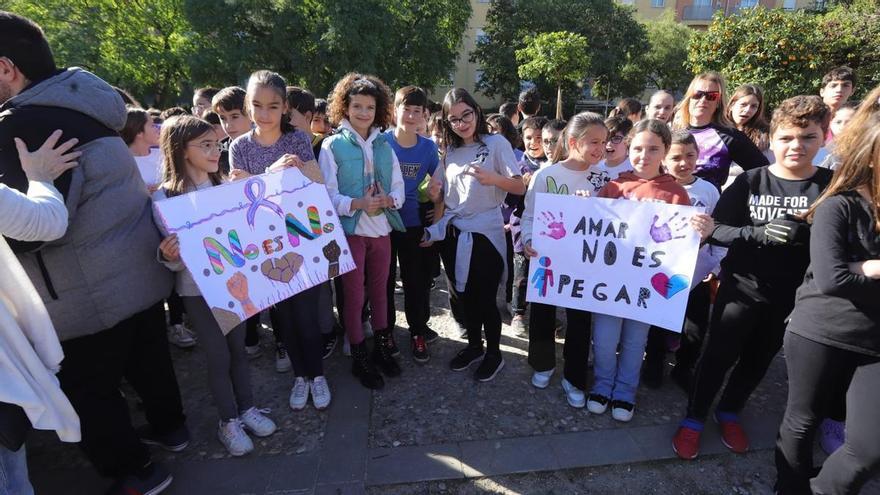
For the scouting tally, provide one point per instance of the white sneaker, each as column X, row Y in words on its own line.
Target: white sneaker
column 320, row 392
column 346, row 346
column 368, row 329
column 282, row 360
column 299, row 394
column 574, row 395
column 233, row 437
column 540, row 379
column 622, row 410
column 253, row 351
column 180, row 337
column 597, row 404
column 518, row 323
column 255, row 420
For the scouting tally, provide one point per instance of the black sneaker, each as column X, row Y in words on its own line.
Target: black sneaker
column 490, row 367
column 465, row 358
column 329, row 344
column 431, row 336
column 420, row 350
column 152, row 480
column 174, row 441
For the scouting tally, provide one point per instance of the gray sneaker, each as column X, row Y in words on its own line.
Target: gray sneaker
column 180, row 337
column 233, row 437
column 256, row 421
column 518, row 324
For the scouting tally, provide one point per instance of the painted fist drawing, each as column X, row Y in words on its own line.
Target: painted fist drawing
column 237, row 285
column 555, row 229
column 332, row 252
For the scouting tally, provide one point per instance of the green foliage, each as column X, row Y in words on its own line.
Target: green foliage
column 788, row 52
column 161, row 49
column 143, row 46
column 664, row 66
column 560, row 58
column 613, row 33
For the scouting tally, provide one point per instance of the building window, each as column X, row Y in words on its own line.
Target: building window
column 789, row 4
column 748, row 4
column 626, row 2
column 481, row 38
column 657, row 4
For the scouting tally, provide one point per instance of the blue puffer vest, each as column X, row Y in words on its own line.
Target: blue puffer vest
column 350, row 174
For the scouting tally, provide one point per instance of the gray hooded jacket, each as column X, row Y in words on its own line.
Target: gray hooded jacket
column 104, row 269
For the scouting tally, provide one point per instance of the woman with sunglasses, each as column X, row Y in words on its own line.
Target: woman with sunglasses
column 702, row 112
column 477, row 171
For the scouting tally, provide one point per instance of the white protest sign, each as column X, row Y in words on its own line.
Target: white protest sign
column 255, row 242
column 624, row 258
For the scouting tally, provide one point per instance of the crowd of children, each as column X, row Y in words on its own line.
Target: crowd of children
column 790, row 243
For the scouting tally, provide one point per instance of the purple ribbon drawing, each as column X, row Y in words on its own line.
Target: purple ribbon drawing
column 258, row 200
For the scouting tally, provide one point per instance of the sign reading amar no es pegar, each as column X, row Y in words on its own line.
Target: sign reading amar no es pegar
column 624, row 258
column 255, row 242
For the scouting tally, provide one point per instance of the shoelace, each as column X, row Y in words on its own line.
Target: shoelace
column 229, row 432
column 301, row 392
column 320, row 388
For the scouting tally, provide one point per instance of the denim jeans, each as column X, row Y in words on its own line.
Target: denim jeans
column 617, row 376
column 13, row 473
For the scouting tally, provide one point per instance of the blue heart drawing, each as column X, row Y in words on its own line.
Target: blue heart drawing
column 668, row 287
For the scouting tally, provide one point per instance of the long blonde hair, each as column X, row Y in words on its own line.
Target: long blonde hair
column 860, row 166
column 575, row 129
column 682, row 117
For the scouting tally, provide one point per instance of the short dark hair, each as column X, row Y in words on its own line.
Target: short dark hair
column 127, row 98
column 321, row 106
column 135, row 121
column 530, row 101
column 505, row 128
column 800, row 111
column 173, row 112
column 302, row 100
column 206, row 92
column 627, row 107
column 842, row 73
column 508, row 109
column 22, row 41
column 618, row 124
column 229, row 99
column 685, row 138
column 537, row 123
column 556, row 124
column 211, row 117
column 411, row 95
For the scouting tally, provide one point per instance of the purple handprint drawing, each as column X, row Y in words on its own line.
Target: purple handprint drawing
column 668, row 230
column 555, row 229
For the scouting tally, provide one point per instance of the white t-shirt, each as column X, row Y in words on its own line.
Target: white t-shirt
column 703, row 194
column 601, row 174
column 553, row 179
column 150, row 167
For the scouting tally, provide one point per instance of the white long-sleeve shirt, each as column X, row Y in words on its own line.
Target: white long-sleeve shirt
column 39, row 215
column 367, row 226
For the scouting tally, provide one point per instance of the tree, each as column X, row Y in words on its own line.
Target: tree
column 560, row 57
column 664, row 65
column 787, row 57
column 143, row 46
column 853, row 34
column 613, row 33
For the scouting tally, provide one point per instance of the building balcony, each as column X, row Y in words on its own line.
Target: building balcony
column 699, row 12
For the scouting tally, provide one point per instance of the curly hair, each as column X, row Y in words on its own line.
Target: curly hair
column 352, row 84
column 800, row 111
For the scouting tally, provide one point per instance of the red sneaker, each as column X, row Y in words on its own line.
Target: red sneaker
column 686, row 443
column 733, row 436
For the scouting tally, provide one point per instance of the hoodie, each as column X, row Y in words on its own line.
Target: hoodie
column 662, row 189
column 103, row 269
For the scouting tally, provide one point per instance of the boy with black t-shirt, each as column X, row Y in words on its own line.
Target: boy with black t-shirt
column 759, row 218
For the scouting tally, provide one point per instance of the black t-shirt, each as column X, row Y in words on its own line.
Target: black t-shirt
column 835, row 306
column 767, row 273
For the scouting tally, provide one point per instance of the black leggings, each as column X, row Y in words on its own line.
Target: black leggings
column 297, row 322
column 478, row 300
column 745, row 334
column 815, row 373
column 542, row 342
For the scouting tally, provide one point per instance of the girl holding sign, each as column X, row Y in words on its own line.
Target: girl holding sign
column 617, row 376
column 478, row 170
column 584, row 144
column 366, row 186
column 191, row 155
column 272, row 145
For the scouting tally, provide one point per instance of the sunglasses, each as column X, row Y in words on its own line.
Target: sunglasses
column 708, row 95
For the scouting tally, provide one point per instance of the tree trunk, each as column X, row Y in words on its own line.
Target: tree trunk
column 559, row 101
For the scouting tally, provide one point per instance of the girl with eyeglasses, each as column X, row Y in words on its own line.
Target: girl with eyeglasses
column 477, row 172
column 273, row 145
column 702, row 112
column 191, row 155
